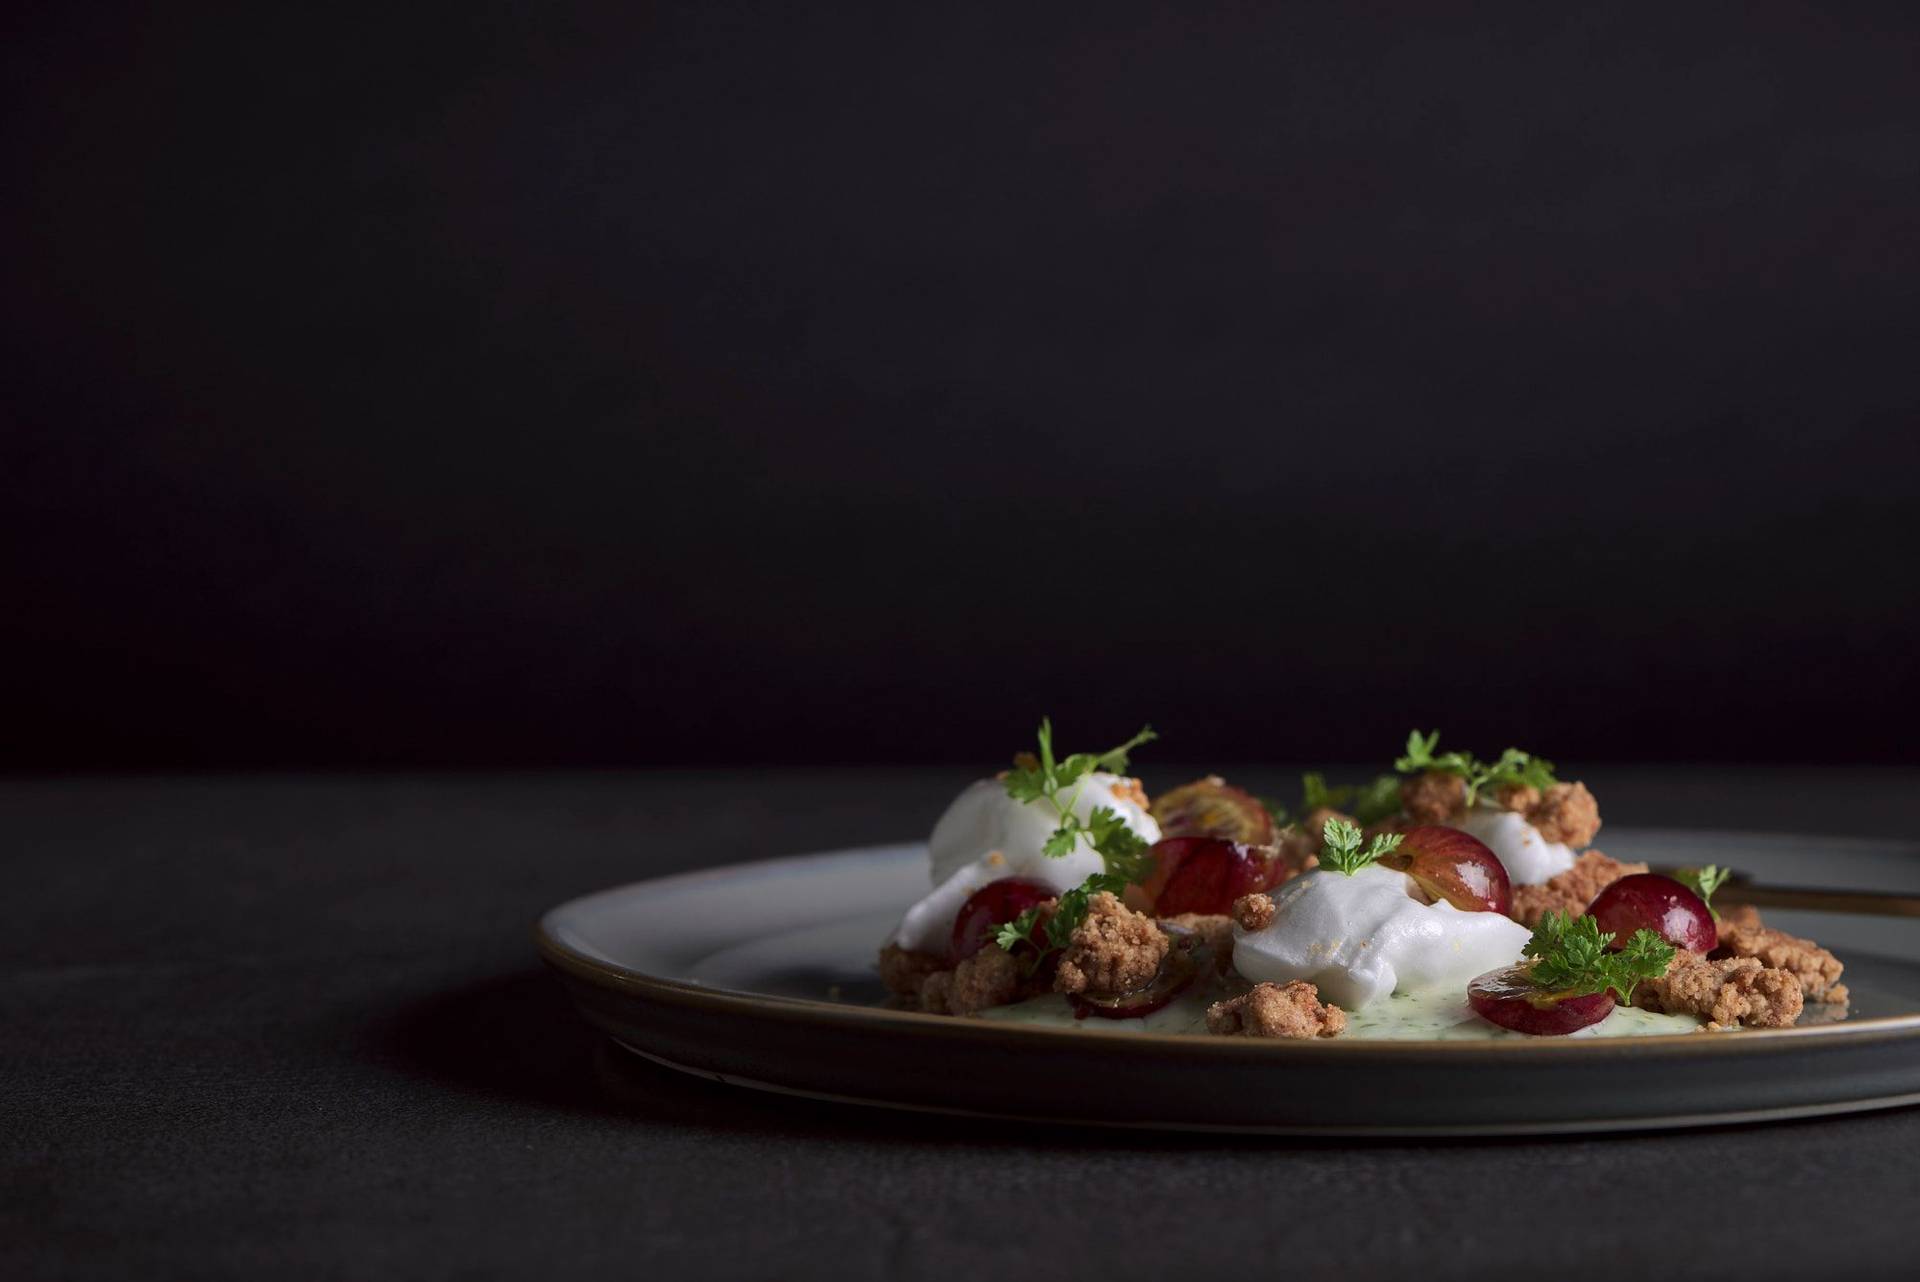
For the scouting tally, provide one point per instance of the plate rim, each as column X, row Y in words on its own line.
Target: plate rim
column 735, row 1002
column 1604, row 1126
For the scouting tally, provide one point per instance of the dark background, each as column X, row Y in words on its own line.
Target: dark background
column 638, row 384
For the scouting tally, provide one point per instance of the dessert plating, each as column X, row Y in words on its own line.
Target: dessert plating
column 1454, row 898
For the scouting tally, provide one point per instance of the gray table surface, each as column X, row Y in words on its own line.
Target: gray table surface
column 294, row 1025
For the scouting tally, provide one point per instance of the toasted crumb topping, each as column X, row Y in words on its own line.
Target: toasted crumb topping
column 1726, row 992
column 991, row 977
column 1572, row 890
column 1566, row 813
column 1516, row 796
column 1130, row 790
column 1270, row 1010
column 1114, row 950
column 1816, row 970
column 1433, row 796
column 1253, row 912
column 903, row 970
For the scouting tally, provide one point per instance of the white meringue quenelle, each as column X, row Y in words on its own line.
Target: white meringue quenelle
column 986, row 835
column 1359, row 937
column 1530, row 859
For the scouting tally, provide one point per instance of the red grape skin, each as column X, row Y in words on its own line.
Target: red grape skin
column 1206, row 874
column 1512, row 1000
column 1660, row 904
column 1455, row 866
column 991, row 907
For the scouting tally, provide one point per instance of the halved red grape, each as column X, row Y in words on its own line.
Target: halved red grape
column 991, row 907
column 1211, row 807
column 1511, row 999
column 1206, row 874
column 1662, row 905
column 1175, row 974
column 1454, row 866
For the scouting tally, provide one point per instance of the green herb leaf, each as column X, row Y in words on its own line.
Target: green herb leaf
column 1056, row 780
column 1016, row 932
column 1315, row 795
column 1377, row 800
column 1571, row 957
column 1073, row 769
column 1419, row 755
column 1114, row 760
column 1703, row 882
column 1068, row 912
column 1513, row 767
column 1343, row 852
column 1123, row 850
column 1567, row 950
column 1419, row 752
column 1368, row 803
column 1072, row 909
column 1645, row 956
column 1027, row 783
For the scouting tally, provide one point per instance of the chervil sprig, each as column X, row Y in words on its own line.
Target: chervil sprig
column 1316, row 795
column 1343, row 852
column 1367, row 802
column 1058, row 781
column 1513, row 767
column 1571, row 957
column 1420, row 756
column 1703, row 882
column 1068, row 912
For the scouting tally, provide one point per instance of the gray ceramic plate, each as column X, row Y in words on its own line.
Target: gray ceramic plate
column 761, row 975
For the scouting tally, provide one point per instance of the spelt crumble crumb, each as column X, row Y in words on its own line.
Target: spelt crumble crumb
column 1726, row 992
column 1270, row 1010
column 1572, row 890
column 1253, row 912
column 1114, row 950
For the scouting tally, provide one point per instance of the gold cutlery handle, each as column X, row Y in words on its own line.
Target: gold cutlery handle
column 1875, row 903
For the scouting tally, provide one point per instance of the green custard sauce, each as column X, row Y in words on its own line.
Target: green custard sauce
column 1433, row 1014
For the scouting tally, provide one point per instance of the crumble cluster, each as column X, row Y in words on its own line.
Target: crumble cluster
column 1572, row 890
column 903, row 970
column 1724, row 992
column 1272, row 1010
column 1433, row 797
column 1115, row 950
column 1816, row 970
column 991, row 977
column 1565, row 813
column 1253, row 912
